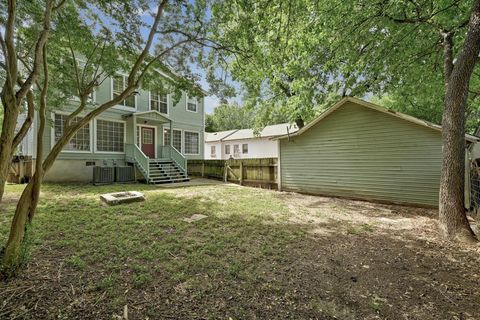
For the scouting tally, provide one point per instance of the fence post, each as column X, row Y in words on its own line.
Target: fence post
column 225, row 172
column 241, row 172
column 203, row 169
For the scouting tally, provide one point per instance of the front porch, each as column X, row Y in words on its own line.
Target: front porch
column 158, row 160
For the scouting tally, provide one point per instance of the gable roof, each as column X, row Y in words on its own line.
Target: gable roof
column 370, row 105
column 151, row 114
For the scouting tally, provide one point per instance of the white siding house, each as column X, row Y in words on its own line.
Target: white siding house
column 244, row 143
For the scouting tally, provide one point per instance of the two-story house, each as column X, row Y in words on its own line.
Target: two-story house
column 146, row 131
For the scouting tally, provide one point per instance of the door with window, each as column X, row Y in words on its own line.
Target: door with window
column 147, row 138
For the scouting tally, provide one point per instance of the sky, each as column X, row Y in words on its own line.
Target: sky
column 211, row 101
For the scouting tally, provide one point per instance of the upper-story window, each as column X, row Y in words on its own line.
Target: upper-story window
column 245, row 148
column 159, row 102
column 227, row 149
column 120, row 84
column 192, row 104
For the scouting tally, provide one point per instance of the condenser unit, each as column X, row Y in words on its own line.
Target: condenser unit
column 103, row 175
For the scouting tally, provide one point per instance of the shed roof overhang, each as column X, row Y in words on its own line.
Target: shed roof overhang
column 468, row 137
column 151, row 115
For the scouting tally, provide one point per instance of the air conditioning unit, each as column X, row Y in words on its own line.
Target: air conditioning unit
column 124, row 174
column 103, row 175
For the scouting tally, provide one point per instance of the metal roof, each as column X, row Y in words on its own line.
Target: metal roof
column 241, row 134
column 267, row 132
column 218, row 136
column 366, row 104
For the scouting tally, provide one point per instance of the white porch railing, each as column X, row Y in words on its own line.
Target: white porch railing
column 172, row 153
column 134, row 154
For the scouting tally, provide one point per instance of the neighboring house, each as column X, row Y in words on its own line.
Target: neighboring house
column 146, row 130
column 360, row 150
column 244, row 143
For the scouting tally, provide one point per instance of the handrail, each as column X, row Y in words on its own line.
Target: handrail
column 179, row 158
column 136, row 154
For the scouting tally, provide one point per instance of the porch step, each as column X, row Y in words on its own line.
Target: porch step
column 165, row 171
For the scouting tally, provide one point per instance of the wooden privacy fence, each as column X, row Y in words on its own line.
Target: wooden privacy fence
column 249, row 172
column 21, row 169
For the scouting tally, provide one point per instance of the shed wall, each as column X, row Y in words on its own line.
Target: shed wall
column 363, row 153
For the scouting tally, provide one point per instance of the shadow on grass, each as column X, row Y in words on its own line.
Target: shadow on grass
column 245, row 260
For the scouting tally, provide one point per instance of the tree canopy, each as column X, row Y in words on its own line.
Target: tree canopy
column 301, row 55
column 233, row 116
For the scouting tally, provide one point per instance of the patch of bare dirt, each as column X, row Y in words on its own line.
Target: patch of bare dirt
column 353, row 260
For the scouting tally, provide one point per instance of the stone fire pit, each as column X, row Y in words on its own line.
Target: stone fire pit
column 122, row 197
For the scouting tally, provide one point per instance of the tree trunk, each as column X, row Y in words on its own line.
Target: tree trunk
column 11, row 256
column 27, row 205
column 453, row 221
column 10, row 117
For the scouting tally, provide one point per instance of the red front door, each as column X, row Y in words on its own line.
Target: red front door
column 147, row 137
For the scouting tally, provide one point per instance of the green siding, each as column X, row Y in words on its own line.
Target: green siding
column 363, row 153
column 180, row 117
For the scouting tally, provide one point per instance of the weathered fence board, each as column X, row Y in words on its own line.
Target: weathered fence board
column 21, row 169
column 251, row 172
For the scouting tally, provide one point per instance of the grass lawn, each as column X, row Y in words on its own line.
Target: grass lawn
column 259, row 254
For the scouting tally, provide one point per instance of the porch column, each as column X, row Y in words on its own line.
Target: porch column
column 134, row 130
column 171, row 134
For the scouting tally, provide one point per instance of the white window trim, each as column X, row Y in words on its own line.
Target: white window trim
column 186, row 104
column 124, row 136
column 150, row 103
column 119, row 106
column 242, row 148
column 52, row 134
column 181, row 138
column 155, row 137
column 198, row 144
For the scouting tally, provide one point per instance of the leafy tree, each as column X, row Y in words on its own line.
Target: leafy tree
column 299, row 55
column 88, row 41
column 228, row 117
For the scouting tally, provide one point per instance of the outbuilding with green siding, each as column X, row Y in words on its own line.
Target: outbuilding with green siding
column 360, row 150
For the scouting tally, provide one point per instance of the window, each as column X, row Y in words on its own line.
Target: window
column 119, row 84
column 177, row 139
column 110, row 136
column 80, row 141
column 245, row 148
column 147, row 137
column 191, row 142
column 192, row 104
column 158, row 102
column 213, row 151
column 236, row 149
column 227, row 149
